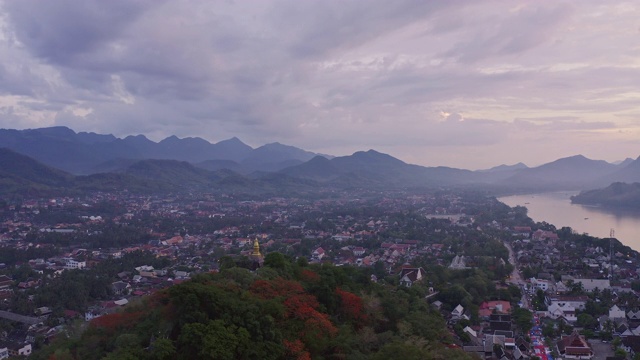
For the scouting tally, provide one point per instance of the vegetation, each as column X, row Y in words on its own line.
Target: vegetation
column 286, row 310
column 617, row 195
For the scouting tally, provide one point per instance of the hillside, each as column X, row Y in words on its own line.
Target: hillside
column 179, row 174
column 26, row 168
column 20, row 174
column 372, row 168
column 283, row 311
column 274, row 157
column 618, row 195
column 628, row 172
column 575, row 172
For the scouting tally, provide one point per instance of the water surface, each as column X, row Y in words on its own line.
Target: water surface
column 556, row 208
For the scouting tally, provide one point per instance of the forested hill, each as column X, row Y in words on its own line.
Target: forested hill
column 284, row 310
column 616, row 195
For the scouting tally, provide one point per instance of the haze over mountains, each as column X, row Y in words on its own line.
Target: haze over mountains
column 139, row 164
column 88, row 153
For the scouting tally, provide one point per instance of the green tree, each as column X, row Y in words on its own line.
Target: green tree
column 586, row 321
column 279, row 262
column 162, row 349
column 213, row 341
column 523, row 319
column 620, row 353
column 226, row 262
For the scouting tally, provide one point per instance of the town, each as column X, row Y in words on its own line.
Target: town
column 508, row 288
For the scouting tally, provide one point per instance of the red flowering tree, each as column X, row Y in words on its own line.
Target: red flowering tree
column 305, row 321
column 117, row 321
column 295, row 349
column 309, row 276
column 351, row 307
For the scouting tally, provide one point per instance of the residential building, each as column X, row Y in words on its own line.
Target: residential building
column 410, row 275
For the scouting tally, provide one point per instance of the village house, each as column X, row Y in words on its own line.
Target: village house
column 410, row 275
column 318, row 254
column 490, row 307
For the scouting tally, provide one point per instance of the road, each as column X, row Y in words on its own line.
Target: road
column 515, row 275
column 537, row 340
column 516, row 278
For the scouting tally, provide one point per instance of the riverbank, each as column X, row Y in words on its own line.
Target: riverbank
column 557, row 209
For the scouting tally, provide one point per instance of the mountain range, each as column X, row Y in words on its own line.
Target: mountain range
column 88, row 153
column 52, row 159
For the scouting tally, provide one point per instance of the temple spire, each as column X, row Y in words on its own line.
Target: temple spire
column 256, row 248
column 256, row 257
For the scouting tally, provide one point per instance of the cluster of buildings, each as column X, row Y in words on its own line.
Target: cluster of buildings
column 338, row 231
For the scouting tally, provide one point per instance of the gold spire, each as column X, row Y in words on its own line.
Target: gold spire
column 256, row 248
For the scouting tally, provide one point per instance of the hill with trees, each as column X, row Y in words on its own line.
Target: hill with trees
column 285, row 310
column 617, row 195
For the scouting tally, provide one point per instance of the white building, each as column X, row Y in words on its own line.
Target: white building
column 562, row 310
column 19, row 349
column 458, row 263
column 74, row 264
column 539, row 284
column 616, row 313
column 591, row 284
column 577, row 302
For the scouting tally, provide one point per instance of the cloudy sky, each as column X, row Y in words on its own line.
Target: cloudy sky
column 469, row 84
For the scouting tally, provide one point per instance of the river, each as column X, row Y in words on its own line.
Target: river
column 556, row 208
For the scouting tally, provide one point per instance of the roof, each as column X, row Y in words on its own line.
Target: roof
column 500, row 306
column 632, row 342
column 412, row 274
column 574, row 344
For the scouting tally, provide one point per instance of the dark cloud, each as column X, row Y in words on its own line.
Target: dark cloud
column 61, row 32
column 323, row 75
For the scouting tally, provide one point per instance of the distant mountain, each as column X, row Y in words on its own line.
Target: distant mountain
column 624, row 162
column 138, row 164
column 57, row 147
column 372, row 168
column 232, row 149
column 370, row 163
column 500, row 172
column 275, row 156
column 23, row 167
column 21, row 175
column 575, row 172
column 86, row 153
column 114, row 165
column 503, row 168
column 179, row 174
column 214, row 165
column 198, row 149
column 628, row 173
column 617, row 195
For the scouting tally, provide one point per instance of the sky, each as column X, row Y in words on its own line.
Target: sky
column 467, row 84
